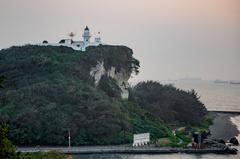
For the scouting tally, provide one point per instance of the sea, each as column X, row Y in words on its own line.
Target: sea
column 215, row 96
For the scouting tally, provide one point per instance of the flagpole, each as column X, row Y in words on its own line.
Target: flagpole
column 69, row 139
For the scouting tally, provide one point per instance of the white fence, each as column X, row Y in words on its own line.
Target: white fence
column 141, row 139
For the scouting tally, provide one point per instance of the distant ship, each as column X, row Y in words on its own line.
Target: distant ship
column 220, row 81
column 234, row 82
column 190, row 79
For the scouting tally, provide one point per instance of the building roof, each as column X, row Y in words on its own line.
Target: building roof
column 86, row 28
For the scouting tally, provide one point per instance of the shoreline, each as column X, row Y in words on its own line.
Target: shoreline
column 236, row 121
column 223, row 126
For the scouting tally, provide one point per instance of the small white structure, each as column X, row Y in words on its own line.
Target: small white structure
column 141, row 139
column 77, row 45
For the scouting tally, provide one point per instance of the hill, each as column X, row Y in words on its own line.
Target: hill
column 50, row 90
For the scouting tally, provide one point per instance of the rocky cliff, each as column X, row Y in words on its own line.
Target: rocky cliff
column 117, row 64
column 120, row 77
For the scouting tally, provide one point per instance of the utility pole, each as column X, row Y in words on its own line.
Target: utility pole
column 69, row 139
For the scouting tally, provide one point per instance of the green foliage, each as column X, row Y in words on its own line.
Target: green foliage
column 184, row 136
column 1, row 81
column 207, row 121
column 110, row 86
column 119, row 57
column 168, row 103
column 204, row 125
column 41, row 155
column 7, row 150
column 143, row 121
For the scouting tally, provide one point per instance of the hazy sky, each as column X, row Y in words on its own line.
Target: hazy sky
column 171, row 38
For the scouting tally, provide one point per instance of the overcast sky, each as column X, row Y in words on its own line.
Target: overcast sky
column 171, row 38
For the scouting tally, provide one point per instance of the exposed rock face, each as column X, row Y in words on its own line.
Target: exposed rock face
column 97, row 72
column 121, row 77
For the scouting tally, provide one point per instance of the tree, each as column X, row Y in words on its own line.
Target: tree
column 7, row 150
column 1, row 81
column 169, row 103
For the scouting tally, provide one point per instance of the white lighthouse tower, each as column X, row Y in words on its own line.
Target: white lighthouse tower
column 80, row 45
column 86, row 36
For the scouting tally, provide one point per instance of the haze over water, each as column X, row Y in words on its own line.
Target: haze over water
column 215, row 96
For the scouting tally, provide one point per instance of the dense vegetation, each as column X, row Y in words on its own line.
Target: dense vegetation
column 7, row 150
column 169, row 103
column 1, row 81
column 42, row 155
column 49, row 90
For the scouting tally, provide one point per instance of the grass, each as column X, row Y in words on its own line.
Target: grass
column 43, row 155
column 205, row 124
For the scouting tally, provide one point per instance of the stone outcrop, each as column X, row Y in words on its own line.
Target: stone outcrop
column 121, row 77
column 234, row 141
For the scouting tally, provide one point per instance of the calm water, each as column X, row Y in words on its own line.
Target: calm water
column 170, row 156
column 215, row 97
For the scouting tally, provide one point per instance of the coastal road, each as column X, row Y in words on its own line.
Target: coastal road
column 117, row 150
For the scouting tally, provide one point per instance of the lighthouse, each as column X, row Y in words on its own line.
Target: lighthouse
column 86, row 36
column 80, row 45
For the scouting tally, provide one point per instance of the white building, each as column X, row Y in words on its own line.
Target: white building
column 78, row 45
column 141, row 139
